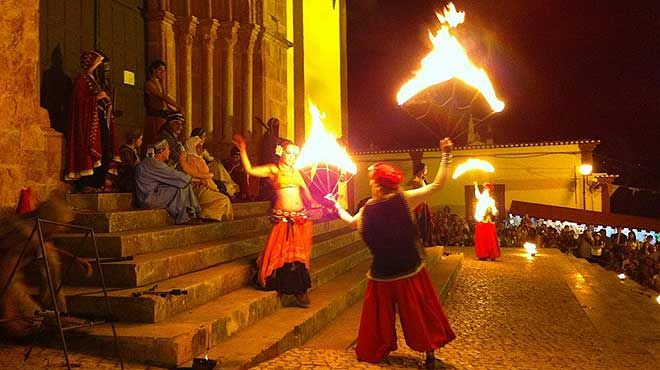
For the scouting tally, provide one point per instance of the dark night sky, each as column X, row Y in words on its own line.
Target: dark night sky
column 566, row 70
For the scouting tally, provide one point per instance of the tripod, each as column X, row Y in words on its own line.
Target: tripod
column 38, row 229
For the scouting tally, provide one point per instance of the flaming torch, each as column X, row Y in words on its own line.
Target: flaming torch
column 322, row 160
column 449, row 60
column 484, row 202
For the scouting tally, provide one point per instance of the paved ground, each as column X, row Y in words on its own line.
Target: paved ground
column 549, row 312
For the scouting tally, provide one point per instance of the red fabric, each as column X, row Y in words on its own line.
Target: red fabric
column 84, row 151
column 485, row 240
column 386, row 175
column 490, row 187
column 287, row 242
column 425, row 326
column 27, row 202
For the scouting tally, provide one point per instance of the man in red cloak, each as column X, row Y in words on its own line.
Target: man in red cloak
column 91, row 148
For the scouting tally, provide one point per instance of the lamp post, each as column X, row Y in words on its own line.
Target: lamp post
column 585, row 170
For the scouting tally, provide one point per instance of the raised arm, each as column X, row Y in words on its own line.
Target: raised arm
column 258, row 171
column 417, row 196
column 477, row 193
column 150, row 86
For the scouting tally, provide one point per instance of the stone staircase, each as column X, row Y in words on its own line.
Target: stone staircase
column 221, row 315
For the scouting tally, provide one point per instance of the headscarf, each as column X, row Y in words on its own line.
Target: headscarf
column 386, row 175
column 176, row 116
column 198, row 131
column 161, row 145
column 489, row 186
column 191, row 145
column 89, row 58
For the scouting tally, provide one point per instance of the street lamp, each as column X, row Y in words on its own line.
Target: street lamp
column 585, row 170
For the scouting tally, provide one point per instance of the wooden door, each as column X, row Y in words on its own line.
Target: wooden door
column 471, row 201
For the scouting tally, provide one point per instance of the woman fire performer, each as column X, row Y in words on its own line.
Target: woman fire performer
column 485, row 232
column 284, row 262
column 397, row 277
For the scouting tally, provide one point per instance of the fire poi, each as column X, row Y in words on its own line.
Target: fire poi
column 322, row 160
column 449, row 60
column 472, row 164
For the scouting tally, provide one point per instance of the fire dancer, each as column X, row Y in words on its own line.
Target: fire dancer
column 284, row 262
column 398, row 278
column 485, row 233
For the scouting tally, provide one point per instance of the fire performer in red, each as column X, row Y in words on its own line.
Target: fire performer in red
column 284, row 262
column 398, row 278
column 485, row 232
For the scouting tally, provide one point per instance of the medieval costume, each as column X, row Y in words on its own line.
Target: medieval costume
column 160, row 186
column 238, row 175
column 171, row 132
column 422, row 211
column 215, row 205
column 221, row 177
column 485, row 233
column 130, row 158
column 283, row 264
column 398, row 280
column 90, row 146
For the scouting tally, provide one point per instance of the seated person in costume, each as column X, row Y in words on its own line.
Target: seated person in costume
column 160, row 186
column 284, row 262
column 238, row 175
column 130, row 158
column 221, row 177
column 172, row 131
column 398, row 280
column 215, row 205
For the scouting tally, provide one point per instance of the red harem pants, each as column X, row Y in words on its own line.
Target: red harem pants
column 485, row 240
column 425, row 326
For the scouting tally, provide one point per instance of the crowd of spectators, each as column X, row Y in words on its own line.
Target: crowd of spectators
column 620, row 252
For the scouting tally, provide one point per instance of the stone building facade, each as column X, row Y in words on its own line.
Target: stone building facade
column 31, row 150
column 231, row 65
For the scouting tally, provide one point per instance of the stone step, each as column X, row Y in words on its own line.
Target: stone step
column 118, row 221
column 131, row 243
column 202, row 286
column 152, row 267
column 177, row 340
column 101, row 202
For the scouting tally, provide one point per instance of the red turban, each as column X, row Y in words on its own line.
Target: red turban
column 385, row 175
column 490, row 187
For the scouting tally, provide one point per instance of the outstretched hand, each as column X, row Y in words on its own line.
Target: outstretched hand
column 446, row 145
column 239, row 141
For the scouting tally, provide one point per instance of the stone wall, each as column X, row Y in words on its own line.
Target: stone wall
column 30, row 151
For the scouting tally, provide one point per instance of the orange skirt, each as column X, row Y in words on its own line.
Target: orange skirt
column 288, row 242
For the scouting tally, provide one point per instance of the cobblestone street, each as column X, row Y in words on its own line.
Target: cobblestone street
column 549, row 312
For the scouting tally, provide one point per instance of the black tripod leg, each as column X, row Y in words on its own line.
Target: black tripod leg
column 107, row 300
column 51, row 287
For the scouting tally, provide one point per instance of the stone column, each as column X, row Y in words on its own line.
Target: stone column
column 208, row 33
column 247, row 36
column 186, row 28
column 227, row 33
column 160, row 44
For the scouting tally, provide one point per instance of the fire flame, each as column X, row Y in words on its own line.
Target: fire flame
column 322, row 147
column 484, row 202
column 448, row 60
column 472, row 164
column 530, row 248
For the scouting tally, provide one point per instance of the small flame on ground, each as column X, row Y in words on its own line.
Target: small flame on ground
column 472, row 164
column 530, row 248
column 622, row 276
column 657, row 299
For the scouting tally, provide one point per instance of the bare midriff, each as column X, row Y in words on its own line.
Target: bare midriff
column 289, row 199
